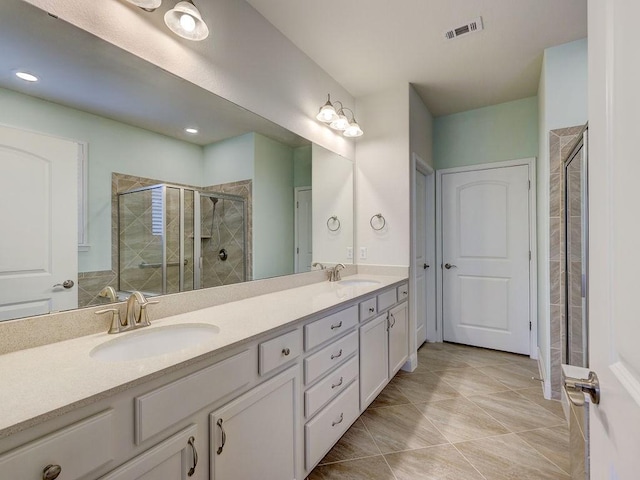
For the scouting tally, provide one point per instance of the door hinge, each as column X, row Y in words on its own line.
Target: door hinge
column 529, row 184
column 529, row 326
column 529, row 255
column 297, row 204
column 297, row 249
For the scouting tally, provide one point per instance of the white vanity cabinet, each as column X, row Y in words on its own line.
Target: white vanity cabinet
column 398, row 322
column 176, row 458
column 255, row 436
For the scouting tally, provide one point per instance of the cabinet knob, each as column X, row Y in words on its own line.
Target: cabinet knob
column 51, row 472
column 286, row 351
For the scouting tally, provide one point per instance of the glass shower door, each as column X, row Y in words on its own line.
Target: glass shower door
column 576, row 229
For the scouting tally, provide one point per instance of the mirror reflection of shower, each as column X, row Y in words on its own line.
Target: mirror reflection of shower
column 171, row 239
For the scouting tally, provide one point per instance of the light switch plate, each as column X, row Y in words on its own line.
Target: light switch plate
column 349, row 252
column 363, row 253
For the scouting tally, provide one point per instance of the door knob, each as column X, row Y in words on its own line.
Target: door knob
column 449, row 266
column 425, row 266
column 65, row 284
column 589, row 385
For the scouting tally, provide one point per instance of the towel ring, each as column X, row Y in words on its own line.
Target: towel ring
column 333, row 220
column 379, row 217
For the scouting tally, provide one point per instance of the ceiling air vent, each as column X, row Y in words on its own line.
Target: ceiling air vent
column 473, row 26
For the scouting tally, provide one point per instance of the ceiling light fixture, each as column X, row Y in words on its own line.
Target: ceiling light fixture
column 191, row 131
column 338, row 120
column 185, row 21
column 148, row 5
column 27, row 77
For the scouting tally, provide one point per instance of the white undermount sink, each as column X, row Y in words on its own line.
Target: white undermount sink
column 154, row 341
column 358, row 282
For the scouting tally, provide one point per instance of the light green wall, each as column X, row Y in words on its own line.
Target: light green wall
column 272, row 209
column 491, row 134
column 229, row 160
column 113, row 147
column 302, row 166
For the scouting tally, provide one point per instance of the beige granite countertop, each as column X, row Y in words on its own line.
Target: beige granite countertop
column 71, row 378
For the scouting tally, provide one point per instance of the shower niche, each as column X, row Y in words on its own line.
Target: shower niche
column 175, row 238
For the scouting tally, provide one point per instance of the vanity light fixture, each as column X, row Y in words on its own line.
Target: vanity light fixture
column 338, row 120
column 191, row 131
column 27, row 77
column 185, row 21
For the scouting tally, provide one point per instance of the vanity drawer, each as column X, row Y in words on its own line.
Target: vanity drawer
column 368, row 309
column 167, row 405
column 403, row 292
column 332, row 385
column 328, row 327
column 319, row 363
column 78, row 449
column 329, row 425
column 279, row 351
column 387, row 299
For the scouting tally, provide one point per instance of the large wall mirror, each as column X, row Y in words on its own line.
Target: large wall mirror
column 102, row 186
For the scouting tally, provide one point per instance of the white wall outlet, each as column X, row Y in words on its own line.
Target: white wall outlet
column 349, row 252
column 363, row 253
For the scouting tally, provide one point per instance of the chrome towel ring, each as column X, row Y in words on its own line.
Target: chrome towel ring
column 380, row 219
column 333, row 221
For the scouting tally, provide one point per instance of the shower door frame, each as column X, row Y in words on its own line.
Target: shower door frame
column 581, row 144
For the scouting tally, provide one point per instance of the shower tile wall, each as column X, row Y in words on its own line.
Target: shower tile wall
column 560, row 144
column 215, row 271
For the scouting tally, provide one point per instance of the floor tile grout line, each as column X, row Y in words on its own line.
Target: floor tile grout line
column 390, row 469
column 543, row 455
column 433, row 425
column 350, row 460
column 469, row 462
column 370, row 434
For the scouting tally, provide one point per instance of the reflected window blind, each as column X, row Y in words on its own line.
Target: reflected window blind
column 156, row 211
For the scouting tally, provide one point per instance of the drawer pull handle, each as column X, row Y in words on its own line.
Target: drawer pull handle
column 333, row 357
column 286, row 351
column 333, row 424
column 51, row 472
column 371, row 309
column 192, row 444
column 336, row 385
column 404, row 293
column 333, row 327
column 224, row 436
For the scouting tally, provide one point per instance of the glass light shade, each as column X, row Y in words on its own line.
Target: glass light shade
column 146, row 4
column 327, row 113
column 353, row 130
column 185, row 21
column 340, row 123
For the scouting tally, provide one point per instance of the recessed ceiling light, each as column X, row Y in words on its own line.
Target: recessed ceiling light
column 27, row 77
column 192, row 131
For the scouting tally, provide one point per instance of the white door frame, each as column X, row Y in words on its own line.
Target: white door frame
column 417, row 163
column 533, row 270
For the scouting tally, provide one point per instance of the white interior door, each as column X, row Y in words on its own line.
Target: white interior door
column 38, row 185
column 304, row 248
column 420, row 262
column 485, row 256
column 614, row 237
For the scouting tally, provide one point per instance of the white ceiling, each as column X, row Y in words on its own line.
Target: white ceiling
column 371, row 45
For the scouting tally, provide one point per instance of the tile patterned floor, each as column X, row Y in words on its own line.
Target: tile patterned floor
column 464, row 414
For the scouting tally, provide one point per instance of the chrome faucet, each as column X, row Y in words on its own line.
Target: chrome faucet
column 334, row 273
column 110, row 293
column 318, row 264
column 137, row 316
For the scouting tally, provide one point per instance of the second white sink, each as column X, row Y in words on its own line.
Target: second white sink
column 151, row 342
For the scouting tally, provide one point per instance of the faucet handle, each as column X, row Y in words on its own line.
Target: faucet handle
column 116, row 324
column 144, row 315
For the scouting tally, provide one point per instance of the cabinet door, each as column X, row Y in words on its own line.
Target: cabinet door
column 373, row 359
column 174, row 459
column 254, row 437
column 398, row 338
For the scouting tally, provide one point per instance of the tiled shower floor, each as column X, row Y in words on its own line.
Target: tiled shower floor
column 464, row 414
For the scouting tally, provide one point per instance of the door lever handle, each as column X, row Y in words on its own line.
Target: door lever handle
column 589, row 385
column 449, row 266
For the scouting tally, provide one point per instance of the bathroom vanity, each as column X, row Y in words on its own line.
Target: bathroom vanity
column 266, row 396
